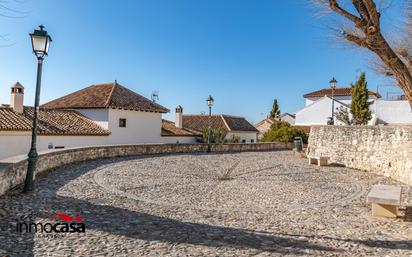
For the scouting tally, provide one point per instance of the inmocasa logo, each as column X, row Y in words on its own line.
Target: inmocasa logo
column 67, row 224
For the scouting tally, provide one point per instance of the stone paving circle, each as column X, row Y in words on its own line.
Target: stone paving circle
column 240, row 204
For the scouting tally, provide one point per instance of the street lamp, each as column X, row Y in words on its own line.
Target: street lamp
column 40, row 41
column 210, row 102
column 332, row 84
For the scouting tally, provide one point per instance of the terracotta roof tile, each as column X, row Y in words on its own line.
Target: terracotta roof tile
column 340, row 91
column 198, row 122
column 169, row 129
column 110, row 95
column 230, row 123
column 51, row 122
column 238, row 124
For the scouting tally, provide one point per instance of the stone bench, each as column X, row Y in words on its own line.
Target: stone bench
column 385, row 200
column 319, row 160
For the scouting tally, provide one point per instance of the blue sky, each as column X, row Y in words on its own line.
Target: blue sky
column 244, row 53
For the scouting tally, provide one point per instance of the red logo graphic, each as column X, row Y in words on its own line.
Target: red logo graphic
column 66, row 218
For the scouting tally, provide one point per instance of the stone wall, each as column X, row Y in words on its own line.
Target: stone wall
column 13, row 170
column 385, row 150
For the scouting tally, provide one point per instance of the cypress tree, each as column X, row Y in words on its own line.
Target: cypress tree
column 275, row 113
column 360, row 105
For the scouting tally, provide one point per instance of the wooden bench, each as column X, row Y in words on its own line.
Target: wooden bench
column 385, row 200
column 320, row 161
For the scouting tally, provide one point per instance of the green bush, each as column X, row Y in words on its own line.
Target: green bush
column 217, row 135
column 234, row 139
column 282, row 131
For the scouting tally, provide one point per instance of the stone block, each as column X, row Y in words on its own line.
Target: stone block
column 385, row 200
column 384, row 210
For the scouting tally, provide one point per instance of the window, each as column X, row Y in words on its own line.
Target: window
column 252, row 140
column 244, row 141
column 122, row 123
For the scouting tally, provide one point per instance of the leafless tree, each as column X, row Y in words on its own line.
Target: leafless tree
column 363, row 29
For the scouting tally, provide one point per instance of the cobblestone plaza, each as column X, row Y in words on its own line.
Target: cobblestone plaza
column 241, row 204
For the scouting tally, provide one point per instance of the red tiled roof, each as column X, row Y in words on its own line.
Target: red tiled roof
column 340, row 91
column 51, row 122
column 110, row 95
column 169, row 129
column 230, row 123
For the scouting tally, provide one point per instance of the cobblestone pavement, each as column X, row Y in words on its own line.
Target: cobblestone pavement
column 271, row 204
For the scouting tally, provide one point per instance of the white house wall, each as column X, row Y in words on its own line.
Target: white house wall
column 14, row 143
column 247, row 136
column 100, row 116
column 393, row 112
column 141, row 127
column 18, row 143
column 317, row 113
column 288, row 119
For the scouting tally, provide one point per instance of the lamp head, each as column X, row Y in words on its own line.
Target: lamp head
column 210, row 101
column 40, row 42
column 333, row 83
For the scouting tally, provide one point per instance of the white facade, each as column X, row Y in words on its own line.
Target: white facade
column 288, row 118
column 141, row 128
column 383, row 112
column 100, row 116
column 18, row 143
column 245, row 137
column 317, row 113
column 392, row 112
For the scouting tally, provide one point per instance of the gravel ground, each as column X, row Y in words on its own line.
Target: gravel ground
column 270, row 204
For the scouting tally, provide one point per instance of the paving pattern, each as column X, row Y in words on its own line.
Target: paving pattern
column 273, row 204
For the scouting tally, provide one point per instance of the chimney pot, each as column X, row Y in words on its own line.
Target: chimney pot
column 179, row 117
column 17, row 97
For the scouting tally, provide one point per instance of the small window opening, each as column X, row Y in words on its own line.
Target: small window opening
column 122, row 123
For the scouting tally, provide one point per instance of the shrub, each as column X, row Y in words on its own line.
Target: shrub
column 217, row 135
column 234, row 139
column 282, row 131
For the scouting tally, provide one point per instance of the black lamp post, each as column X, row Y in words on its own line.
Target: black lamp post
column 210, row 102
column 40, row 41
column 332, row 84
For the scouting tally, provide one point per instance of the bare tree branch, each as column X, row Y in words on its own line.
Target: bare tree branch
column 333, row 4
column 397, row 60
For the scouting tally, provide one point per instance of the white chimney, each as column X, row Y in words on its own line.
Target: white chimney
column 179, row 117
column 16, row 99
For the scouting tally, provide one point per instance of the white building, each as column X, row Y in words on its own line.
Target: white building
column 318, row 112
column 264, row 125
column 288, row 117
column 97, row 115
column 318, row 108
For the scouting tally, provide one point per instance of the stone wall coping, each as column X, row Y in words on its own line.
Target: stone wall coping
column 23, row 157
